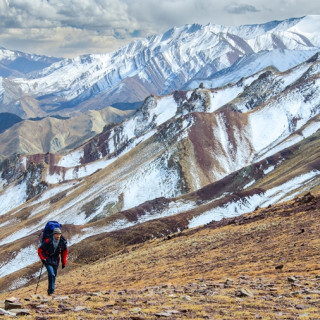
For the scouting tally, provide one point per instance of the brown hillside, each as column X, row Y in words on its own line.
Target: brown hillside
column 262, row 265
column 57, row 135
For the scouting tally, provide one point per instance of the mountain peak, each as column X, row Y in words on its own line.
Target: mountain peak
column 307, row 25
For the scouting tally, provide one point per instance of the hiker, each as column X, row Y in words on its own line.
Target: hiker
column 49, row 252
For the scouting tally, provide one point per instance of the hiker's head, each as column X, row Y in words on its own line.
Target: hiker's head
column 57, row 233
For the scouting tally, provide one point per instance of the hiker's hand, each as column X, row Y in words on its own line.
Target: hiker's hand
column 63, row 266
column 44, row 261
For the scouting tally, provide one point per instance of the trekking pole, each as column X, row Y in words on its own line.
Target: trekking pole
column 39, row 278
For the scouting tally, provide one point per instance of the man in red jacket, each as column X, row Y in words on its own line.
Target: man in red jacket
column 50, row 251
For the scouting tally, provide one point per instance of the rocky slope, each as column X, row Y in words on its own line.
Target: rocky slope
column 262, row 265
column 213, row 131
column 180, row 161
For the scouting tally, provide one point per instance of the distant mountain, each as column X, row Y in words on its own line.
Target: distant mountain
column 179, row 58
column 19, row 64
column 55, row 134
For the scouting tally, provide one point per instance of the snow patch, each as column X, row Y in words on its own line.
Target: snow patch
column 3, row 224
column 17, row 235
column 2, row 183
column 22, row 259
column 309, row 130
column 248, row 204
column 71, row 160
column 88, row 232
column 47, row 194
column 166, row 109
column 152, row 181
column 249, row 184
column 308, row 25
column 229, row 210
column 271, row 168
column 12, row 197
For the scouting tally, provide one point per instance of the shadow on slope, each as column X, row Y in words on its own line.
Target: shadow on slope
column 7, row 120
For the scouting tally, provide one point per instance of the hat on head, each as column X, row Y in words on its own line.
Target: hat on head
column 57, row 230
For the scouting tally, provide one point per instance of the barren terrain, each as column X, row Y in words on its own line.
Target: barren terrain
column 262, row 265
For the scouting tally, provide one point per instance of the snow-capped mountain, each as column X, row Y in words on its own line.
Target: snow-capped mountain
column 281, row 59
column 19, row 64
column 159, row 65
column 181, row 160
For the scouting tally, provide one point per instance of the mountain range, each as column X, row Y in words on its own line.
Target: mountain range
column 156, row 65
column 19, row 64
column 230, row 124
column 179, row 59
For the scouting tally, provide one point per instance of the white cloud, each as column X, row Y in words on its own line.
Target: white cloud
column 236, row 8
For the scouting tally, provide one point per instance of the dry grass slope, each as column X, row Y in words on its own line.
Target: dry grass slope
column 262, row 265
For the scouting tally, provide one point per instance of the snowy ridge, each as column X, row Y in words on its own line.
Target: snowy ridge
column 13, row 55
column 163, row 109
column 161, row 63
column 256, row 30
column 249, row 64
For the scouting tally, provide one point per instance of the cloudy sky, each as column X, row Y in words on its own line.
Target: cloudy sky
column 68, row 28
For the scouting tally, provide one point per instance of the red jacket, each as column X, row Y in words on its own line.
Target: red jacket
column 47, row 252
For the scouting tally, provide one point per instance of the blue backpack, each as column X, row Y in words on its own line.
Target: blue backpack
column 48, row 229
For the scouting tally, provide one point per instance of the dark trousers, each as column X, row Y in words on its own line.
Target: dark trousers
column 52, row 274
